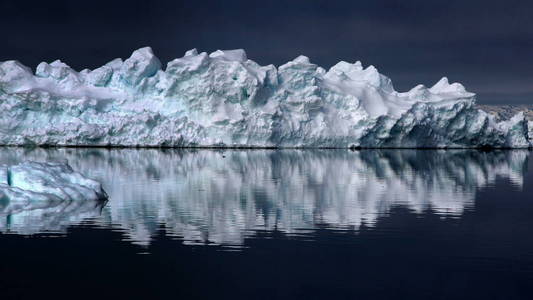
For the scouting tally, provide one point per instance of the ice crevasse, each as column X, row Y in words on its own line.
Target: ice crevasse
column 223, row 99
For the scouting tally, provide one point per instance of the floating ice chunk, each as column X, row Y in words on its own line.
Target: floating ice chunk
column 45, row 196
column 34, row 183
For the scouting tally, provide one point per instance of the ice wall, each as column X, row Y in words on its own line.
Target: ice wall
column 223, row 99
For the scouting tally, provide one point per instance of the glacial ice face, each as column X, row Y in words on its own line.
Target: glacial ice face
column 38, row 196
column 218, row 197
column 225, row 99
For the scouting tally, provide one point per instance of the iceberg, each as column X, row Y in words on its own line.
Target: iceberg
column 37, row 195
column 224, row 99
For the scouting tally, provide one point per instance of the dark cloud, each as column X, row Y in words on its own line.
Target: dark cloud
column 487, row 45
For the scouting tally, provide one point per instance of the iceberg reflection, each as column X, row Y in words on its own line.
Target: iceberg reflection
column 210, row 196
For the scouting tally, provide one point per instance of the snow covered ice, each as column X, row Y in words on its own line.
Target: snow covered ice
column 36, row 196
column 223, row 99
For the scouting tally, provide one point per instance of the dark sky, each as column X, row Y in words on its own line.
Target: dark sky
column 487, row 45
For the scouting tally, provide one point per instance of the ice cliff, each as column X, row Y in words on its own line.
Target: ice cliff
column 45, row 196
column 224, row 99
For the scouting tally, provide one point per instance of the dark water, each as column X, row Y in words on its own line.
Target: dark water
column 268, row 224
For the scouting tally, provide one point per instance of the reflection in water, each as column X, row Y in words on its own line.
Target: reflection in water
column 210, row 196
column 52, row 216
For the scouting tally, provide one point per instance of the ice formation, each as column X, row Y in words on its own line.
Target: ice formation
column 209, row 196
column 38, row 196
column 223, row 99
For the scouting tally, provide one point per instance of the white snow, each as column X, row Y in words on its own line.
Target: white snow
column 35, row 195
column 225, row 99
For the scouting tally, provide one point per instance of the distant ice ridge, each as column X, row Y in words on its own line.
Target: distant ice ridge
column 223, row 99
column 44, row 196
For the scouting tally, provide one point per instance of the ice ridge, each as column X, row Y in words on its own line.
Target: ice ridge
column 224, row 99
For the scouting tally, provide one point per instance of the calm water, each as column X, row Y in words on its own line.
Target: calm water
column 268, row 224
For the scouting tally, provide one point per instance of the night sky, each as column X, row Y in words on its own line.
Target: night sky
column 486, row 45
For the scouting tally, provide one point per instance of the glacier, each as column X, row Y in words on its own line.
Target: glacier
column 224, row 99
column 45, row 195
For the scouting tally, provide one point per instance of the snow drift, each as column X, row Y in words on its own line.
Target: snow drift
column 223, row 99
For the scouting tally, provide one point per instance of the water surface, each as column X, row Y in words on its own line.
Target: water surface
column 279, row 224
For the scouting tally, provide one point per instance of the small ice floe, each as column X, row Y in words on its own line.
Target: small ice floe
column 36, row 196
